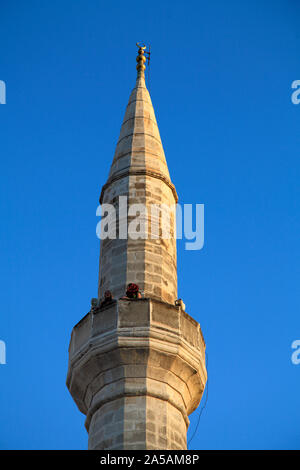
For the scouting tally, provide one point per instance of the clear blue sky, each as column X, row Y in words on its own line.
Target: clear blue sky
column 221, row 75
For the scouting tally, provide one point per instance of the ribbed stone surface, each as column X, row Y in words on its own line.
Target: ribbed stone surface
column 139, row 145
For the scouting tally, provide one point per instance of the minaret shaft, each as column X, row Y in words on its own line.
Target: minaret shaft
column 139, row 171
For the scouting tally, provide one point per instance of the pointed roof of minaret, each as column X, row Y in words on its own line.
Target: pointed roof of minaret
column 139, row 146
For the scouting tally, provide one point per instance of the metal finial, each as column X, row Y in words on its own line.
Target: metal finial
column 141, row 59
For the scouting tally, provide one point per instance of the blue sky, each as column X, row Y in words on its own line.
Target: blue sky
column 220, row 82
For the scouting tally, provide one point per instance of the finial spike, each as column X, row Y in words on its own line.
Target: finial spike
column 141, row 59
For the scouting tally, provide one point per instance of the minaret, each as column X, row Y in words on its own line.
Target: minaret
column 137, row 365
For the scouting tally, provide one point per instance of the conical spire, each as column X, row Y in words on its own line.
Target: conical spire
column 139, row 171
column 139, row 146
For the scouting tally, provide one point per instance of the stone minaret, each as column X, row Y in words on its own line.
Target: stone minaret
column 137, row 366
